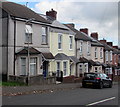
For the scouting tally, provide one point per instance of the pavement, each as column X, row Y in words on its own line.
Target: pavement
column 24, row 90
column 34, row 89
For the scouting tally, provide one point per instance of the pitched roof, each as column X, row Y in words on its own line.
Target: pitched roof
column 79, row 35
column 61, row 56
column 21, row 11
column 25, row 51
column 48, row 56
column 74, row 59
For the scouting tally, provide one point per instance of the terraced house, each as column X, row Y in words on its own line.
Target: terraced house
column 62, row 46
column 36, row 48
column 25, row 42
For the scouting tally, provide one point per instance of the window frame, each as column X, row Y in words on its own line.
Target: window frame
column 81, row 46
column 65, row 70
column 70, row 42
column 96, row 51
column 44, row 36
column 21, row 72
column 35, row 63
column 60, row 36
column 28, row 36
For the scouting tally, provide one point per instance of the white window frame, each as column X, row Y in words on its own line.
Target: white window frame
column 33, row 63
column 70, row 42
column 101, row 53
column 81, row 46
column 86, row 67
column 80, row 68
column 44, row 35
column 21, row 72
column 58, row 70
column 96, row 52
column 28, row 33
column 60, row 36
column 106, row 56
column 65, row 70
column 110, row 55
column 96, row 69
column 88, row 48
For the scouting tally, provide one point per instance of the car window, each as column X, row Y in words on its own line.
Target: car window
column 90, row 75
column 104, row 75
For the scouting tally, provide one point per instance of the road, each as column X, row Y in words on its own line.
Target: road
column 78, row 96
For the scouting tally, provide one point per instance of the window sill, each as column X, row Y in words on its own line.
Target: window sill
column 28, row 43
column 59, row 49
column 44, row 44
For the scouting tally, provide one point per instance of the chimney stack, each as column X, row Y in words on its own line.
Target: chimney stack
column 103, row 41
column 52, row 13
column 84, row 30
column 110, row 43
column 71, row 25
column 94, row 35
column 116, row 47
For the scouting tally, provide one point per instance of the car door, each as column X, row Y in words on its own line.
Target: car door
column 106, row 80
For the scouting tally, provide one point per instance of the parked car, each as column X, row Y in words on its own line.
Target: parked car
column 98, row 80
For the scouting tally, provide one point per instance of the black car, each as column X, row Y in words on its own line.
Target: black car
column 98, row 80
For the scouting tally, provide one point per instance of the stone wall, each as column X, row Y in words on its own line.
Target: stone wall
column 33, row 80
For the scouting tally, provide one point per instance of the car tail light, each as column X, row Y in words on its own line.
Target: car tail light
column 97, row 78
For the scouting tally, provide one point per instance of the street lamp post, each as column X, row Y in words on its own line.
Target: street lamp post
column 28, row 64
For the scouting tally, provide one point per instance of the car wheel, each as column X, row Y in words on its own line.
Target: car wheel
column 101, row 85
column 110, row 85
column 83, row 85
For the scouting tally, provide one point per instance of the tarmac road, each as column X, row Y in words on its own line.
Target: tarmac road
column 78, row 96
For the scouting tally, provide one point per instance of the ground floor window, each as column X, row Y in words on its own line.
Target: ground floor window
column 33, row 66
column 96, row 69
column 86, row 67
column 65, row 68
column 58, row 69
column 108, row 71
column 23, row 66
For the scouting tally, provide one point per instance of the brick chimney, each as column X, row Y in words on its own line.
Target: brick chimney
column 94, row 35
column 52, row 13
column 110, row 43
column 85, row 30
column 103, row 41
column 71, row 25
column 116, row 47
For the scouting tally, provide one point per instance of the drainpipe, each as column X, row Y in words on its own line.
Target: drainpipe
column 14, row 45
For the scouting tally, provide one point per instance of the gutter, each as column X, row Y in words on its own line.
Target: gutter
column 14, row 44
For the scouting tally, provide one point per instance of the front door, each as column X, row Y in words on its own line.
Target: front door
column 45, row 68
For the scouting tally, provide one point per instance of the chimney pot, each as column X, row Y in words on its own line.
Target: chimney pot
column 94, row 35
column 52, row 13
column 84, row 30
column 103, row 41
column 110, row 43
column 115, row 47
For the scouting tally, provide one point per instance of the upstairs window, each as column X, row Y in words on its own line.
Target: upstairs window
column 88, row 47
column 44, row 35
column 28, row 33
column 110, row 55
column 101, row 53
column 59, row 41
column 81, row 46
column 106, row 55
column 96, row 52
column 70, row 42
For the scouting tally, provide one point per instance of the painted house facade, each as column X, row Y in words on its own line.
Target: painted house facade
column 97, row 54
column 27, row 45
column 62, row 46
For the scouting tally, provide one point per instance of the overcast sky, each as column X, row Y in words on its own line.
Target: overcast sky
column 101, row 17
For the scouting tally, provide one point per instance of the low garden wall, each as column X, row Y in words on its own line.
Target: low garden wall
column 33, row 80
